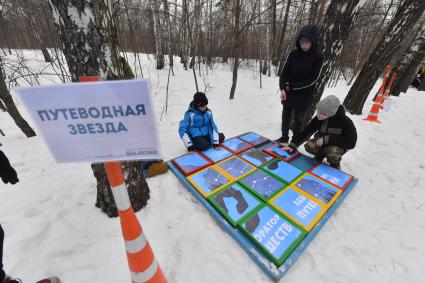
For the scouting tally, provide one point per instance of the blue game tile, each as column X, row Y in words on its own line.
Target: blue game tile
column 283, row 170
column 256, row 157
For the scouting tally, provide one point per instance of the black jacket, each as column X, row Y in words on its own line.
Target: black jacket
column 7, row 173
column 337, row 130
column 302, row 70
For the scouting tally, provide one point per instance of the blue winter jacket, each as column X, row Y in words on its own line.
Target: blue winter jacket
column 195, row 124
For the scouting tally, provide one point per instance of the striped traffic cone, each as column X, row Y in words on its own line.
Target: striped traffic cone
column 141, row 260
column 387, row 91
column 380, row 95
column 374, row 112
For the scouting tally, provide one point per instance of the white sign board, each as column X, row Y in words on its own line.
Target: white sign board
column 95, row 121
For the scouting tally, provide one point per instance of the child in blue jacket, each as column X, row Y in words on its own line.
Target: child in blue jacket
column 197, row 129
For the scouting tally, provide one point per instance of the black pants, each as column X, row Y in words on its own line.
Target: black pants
column 202, row 143
column 299, row 120
column 2, row 274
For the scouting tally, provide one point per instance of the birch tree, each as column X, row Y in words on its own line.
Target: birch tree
column 89, row 41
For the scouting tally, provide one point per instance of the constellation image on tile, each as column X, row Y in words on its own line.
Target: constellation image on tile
column 234, row 202
column 208, row 180
column 278, row 151
column 236, row 145
column 216, row 155
column 254, row 138
column 283, row 170
column 256, row 157
column 317, row 188
column 263, row 184
column 191, row 162
column 236, row 167
column 332, row 175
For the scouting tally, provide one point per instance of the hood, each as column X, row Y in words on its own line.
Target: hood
column 194, row 109
column 311, row 32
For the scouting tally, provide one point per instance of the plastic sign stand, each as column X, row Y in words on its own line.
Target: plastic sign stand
column 282, row 170
column 217, row 155
column 256, row 157
column 274, row 234
column 317, row 188
column 262, row 184
column 277, row 151
column 236, row 167
column 234, row 202
column 253, row 138
column 236, row 145
column 299, row 207
column 332, row 175
column 191, row 162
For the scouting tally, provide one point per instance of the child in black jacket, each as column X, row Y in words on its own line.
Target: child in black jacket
column 334, row 132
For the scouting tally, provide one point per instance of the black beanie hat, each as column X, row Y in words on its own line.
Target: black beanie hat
column 200, row 99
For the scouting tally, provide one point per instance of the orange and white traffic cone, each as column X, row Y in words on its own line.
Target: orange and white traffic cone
column 387, row 91
column 141, row 260
column 380, row 95
column 374, row 112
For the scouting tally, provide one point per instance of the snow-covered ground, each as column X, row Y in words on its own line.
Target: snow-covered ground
column 376, row 235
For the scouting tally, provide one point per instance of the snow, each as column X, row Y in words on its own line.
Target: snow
column 376, row 235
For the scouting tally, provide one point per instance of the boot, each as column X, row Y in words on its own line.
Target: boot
column 156, row 168
column 49, row 280
column 9, row 279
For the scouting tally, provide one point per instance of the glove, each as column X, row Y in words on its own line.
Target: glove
column 7, row 173
column 191, row 148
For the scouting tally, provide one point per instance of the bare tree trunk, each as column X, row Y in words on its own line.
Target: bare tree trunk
column 406, row 16
column 236, row 48
column 313, row 12
column 321, row 12
column 169, row 33
column 273, row 40
column 89, row 41
column 158, row 34
column 282, row 36
column 7, row 99
column 409, row 63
